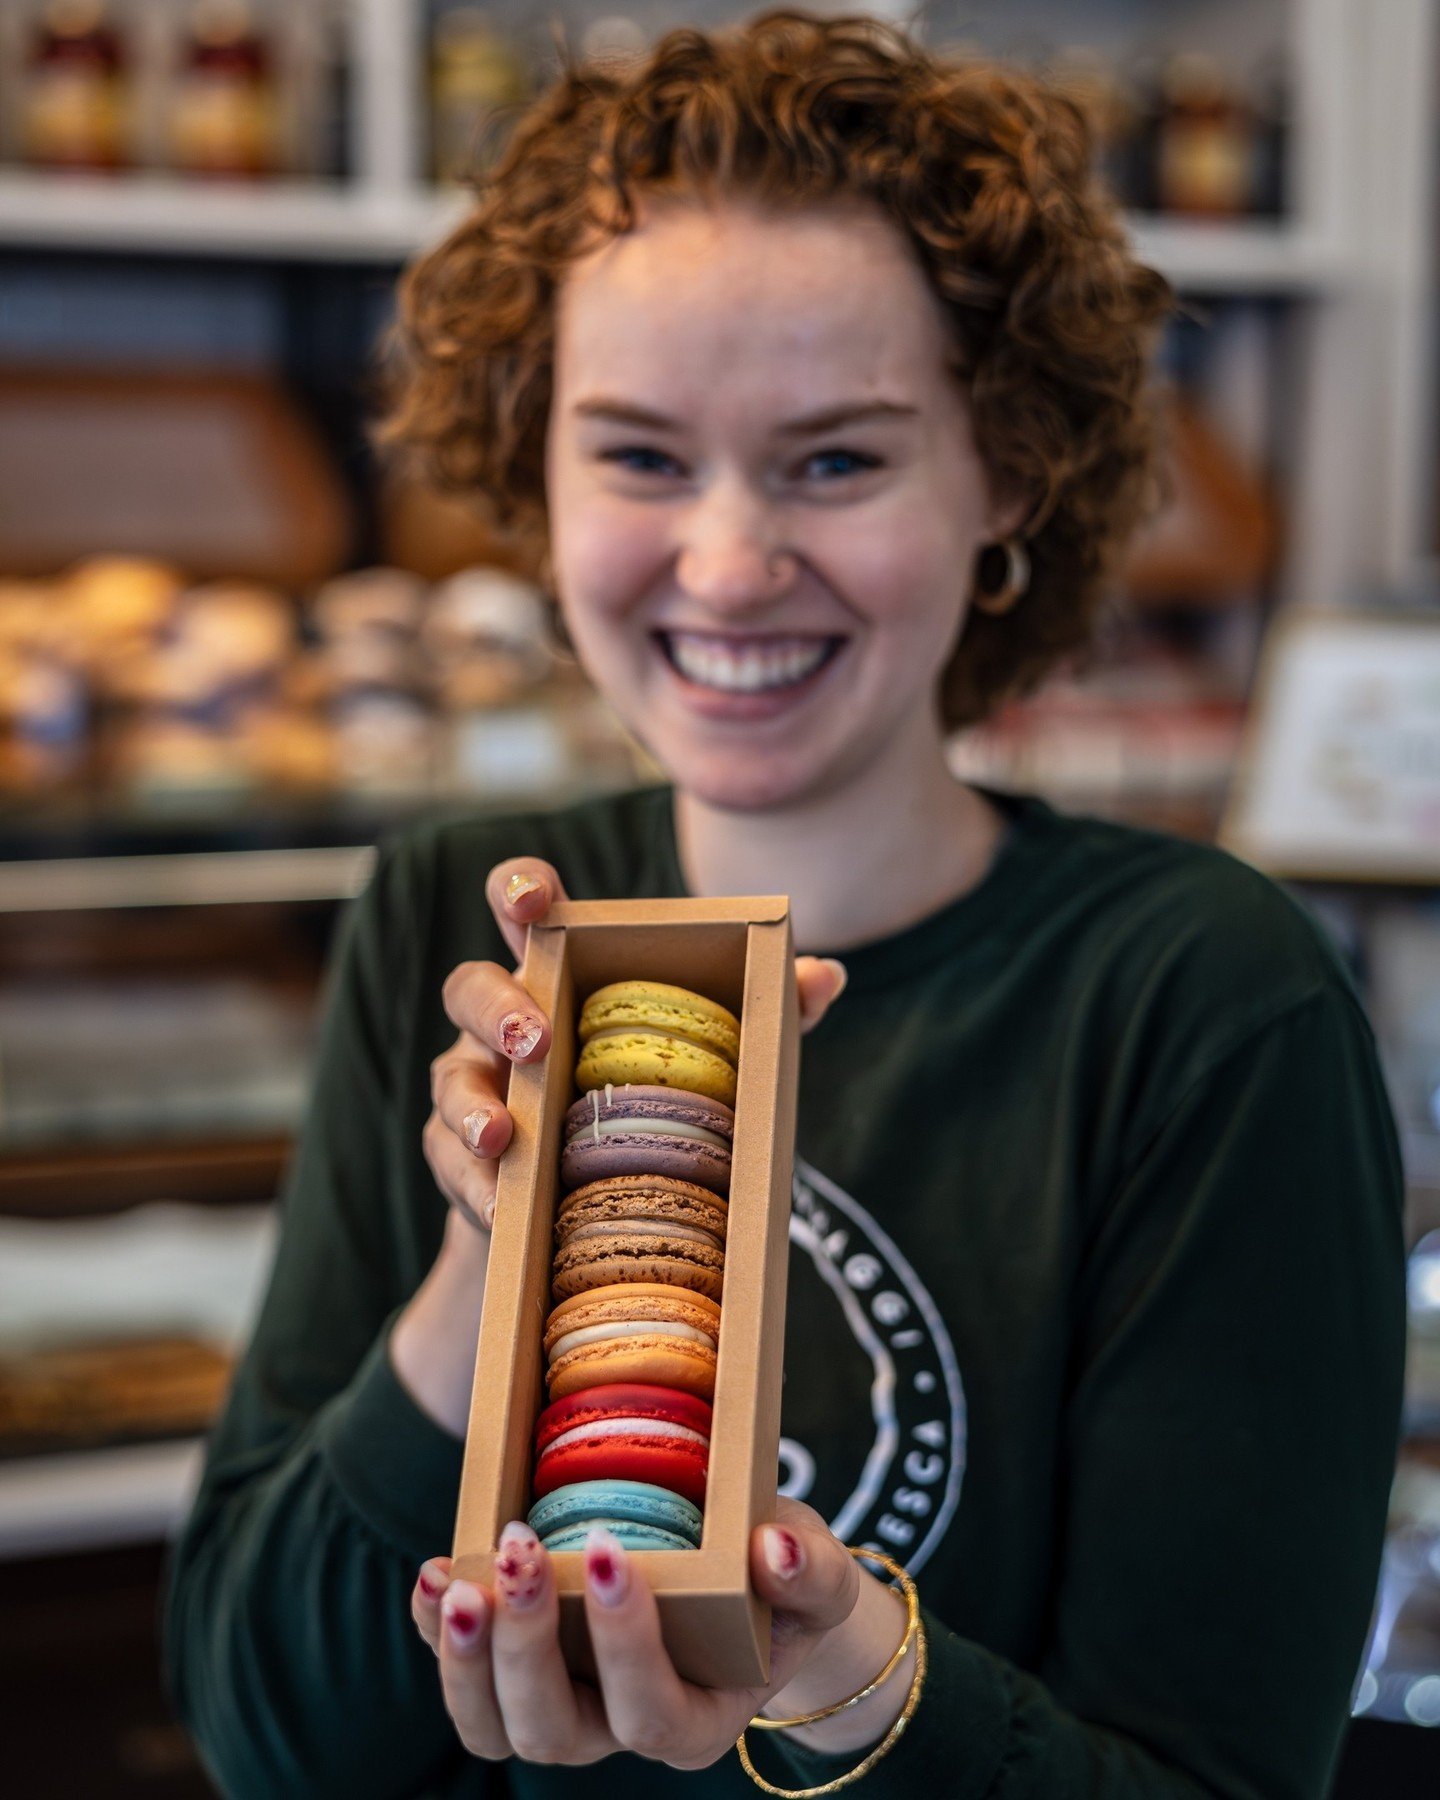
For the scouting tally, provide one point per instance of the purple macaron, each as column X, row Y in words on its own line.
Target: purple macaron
column 634, row 1130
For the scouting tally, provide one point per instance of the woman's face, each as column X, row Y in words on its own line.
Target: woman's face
column 765, row 500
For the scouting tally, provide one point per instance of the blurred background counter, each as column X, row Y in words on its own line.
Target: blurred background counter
column 234, row 650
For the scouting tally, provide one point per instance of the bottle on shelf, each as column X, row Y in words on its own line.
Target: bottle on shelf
column 75, row 90
column 224, row 108
column 475, row 73
column 1205, row 141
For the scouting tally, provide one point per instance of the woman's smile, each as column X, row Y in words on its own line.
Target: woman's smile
column 751, row 676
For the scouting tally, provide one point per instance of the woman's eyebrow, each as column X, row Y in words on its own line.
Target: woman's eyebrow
column 622, row 412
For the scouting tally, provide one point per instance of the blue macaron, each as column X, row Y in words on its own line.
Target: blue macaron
column 627, row 1533
column 642, row 1515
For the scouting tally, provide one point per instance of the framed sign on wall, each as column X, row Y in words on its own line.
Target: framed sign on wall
column 1339, row 778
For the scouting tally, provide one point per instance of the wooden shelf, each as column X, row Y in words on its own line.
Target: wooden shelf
column 57, row 1183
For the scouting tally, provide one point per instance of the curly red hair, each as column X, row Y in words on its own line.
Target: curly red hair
column 986, row 171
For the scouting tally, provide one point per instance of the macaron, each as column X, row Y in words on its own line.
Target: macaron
column 626, row 1431
column 631, row 1536
column 643, row 1130
column 633, row 1331
column 640, row 1228
column 620, row 1506
column 650, row 1033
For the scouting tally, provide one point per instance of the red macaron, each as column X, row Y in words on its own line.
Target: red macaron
column 625, row 1431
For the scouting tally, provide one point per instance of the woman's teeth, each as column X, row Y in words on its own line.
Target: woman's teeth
column 746, row 667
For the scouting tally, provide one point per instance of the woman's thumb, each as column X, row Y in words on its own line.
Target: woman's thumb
column 803, row 1570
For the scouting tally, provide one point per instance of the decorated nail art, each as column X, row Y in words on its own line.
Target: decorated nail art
column 607, row 1567
column 518, row 1568
column 783, row 1552
column 519, row 1035
column 460, row 1610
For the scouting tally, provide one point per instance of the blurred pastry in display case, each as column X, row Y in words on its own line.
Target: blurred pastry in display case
column 194, row 701
column 115, row 610
column 120, row 1392
column 171, row 756
column 385, row 741
column 367, row 625
column 488, row 639
column 225, row 643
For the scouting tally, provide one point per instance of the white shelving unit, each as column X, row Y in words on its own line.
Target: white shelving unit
column 1355, row 254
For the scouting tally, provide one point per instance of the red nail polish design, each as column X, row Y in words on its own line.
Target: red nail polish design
column 517, row 1576
column 463, row 1624
column 428, row 1587
column 783, row 1552
column 606, row 1568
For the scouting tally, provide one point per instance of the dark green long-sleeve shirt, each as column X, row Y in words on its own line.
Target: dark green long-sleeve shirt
column 1095, row 1320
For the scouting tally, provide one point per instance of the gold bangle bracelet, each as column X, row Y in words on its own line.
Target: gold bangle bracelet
column 912, row 1626
column 912, row 1700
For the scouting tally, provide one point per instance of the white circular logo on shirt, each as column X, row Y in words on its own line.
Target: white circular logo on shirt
column 907, row 1487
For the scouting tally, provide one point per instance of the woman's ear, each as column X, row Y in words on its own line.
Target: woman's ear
column 1009, row 514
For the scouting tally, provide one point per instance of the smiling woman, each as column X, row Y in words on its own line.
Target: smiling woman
column 980, row 178
column 817, row 368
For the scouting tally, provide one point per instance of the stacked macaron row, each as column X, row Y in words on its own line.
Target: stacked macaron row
column 631, row 1344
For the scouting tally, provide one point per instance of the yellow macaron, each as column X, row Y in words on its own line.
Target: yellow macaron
column 652, row 1034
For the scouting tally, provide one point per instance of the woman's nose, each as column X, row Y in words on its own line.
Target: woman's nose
column 731, row 556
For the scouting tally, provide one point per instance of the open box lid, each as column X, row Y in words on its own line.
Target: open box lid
column 220, row 474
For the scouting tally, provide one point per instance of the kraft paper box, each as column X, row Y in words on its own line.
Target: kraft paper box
column 739, row 952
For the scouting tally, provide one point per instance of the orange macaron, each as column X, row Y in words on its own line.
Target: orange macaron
column 633, row 1331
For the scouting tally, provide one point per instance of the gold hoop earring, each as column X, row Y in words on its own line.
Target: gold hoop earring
column 998, row 600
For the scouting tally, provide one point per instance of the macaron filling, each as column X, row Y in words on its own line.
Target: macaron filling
column 622, row 1328
column 599, row 1129
column 646, row 1228
column 629, row 1428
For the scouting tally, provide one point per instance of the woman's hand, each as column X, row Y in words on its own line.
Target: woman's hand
column 500, row 1024
column 509, row 1693
column 432, row 1346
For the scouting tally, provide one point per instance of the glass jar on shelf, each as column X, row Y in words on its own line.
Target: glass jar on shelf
column 75, row 90
column 224, row 106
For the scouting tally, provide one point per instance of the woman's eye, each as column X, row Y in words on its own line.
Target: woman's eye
column 647, row 464
column 858, row 460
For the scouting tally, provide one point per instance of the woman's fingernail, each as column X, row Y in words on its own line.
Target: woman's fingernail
column 475, row 1124
column 607, row 1568
column 518, row 886
column 462, row 1609
column 783, row 1554
column 487, row 1213
column 519, row 1571
column 519, row 1035
column 433, row 1581
column 840, row 969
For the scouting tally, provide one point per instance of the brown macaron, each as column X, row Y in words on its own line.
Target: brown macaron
column 653, row 1228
